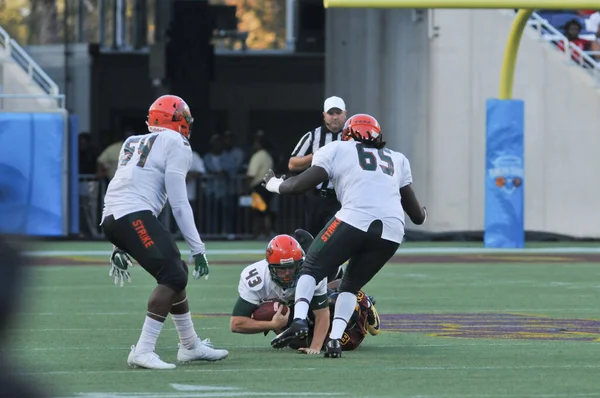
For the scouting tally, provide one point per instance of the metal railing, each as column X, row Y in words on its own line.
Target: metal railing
column 573, row 53
column 58, row 99
column 222, row 209
column 21, row 58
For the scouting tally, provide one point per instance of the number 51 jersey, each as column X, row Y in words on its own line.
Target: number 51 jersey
column 367, row 183
column 139, row 183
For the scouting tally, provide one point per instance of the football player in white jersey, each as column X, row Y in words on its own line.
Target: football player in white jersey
column 274, row 279
column 259, row 285
column 151, row 168
column 373, row 184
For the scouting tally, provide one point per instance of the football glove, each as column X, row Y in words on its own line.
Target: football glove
column 120, row 262
column 272, row 183
column 200, row 266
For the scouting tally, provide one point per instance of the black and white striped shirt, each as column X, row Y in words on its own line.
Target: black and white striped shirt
column 312, row 141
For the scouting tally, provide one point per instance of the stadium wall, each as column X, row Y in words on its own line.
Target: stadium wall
column 429, row 93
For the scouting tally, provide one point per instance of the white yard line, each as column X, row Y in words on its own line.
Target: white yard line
column 205, row 394
column 336, row 369
column 317, row 395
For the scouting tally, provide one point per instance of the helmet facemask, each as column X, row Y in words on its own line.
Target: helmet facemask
column 286, row 282
column 183, row 113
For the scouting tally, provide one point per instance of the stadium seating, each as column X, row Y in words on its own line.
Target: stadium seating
column 24, row 86
column 585, row 48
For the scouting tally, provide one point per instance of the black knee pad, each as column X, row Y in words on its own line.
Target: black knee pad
column 174, row 274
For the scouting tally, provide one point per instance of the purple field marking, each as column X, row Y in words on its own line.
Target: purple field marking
column 485, row 326
column 493, row 326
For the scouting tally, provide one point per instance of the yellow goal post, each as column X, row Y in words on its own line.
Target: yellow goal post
column 525, row 7
column 504, row 225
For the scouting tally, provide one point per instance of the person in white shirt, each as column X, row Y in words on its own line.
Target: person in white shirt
column 373, row 184
column 151, row 168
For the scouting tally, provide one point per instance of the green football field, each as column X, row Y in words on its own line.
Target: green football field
column 457, row 322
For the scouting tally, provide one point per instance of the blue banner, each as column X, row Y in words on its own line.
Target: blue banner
column 504, row 176
column 31, row 173
column 74, row 175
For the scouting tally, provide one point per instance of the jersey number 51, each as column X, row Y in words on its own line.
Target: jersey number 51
column 143, row 144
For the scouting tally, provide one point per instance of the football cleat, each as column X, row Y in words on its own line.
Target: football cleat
column 372, row 300
column 304, row 238
column 373, row 320
column 340, row 273
column 147, row 360
column 202, row 351
column 333, row 349
column 298, row 328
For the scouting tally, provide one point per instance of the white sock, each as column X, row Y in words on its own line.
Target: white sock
column 149, row 335
column 305, row 289
column 344, row 308
column 185, row 329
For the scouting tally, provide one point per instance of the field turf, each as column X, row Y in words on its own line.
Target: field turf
column 457, row 322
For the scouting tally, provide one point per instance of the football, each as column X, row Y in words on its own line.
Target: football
column 267, row 310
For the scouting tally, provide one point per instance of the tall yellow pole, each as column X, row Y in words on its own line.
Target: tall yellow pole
column 510, row 54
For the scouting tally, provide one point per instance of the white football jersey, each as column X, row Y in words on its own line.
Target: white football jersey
column 139, row 183
column 367, row 183
column 257, row 286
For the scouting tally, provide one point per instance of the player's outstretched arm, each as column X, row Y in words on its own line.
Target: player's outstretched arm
column 411, row 205
column 246, row 325
column 301, row 183
column 322, row 321
column 175, row 174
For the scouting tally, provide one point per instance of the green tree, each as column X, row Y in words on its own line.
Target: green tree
column 47, row 14
column 13, row 13
column 264, row 20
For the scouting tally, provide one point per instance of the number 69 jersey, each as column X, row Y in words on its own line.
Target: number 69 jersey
column 139, row 183
column 256, row 286
column 367, row 183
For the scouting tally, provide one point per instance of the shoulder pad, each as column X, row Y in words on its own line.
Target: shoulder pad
column 175, row 139
column 253, row 276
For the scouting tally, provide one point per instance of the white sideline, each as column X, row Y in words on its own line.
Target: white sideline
column 279, row 369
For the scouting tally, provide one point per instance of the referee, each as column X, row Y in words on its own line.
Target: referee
column 322, row 204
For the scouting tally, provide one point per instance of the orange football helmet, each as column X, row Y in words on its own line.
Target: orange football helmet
column 364, row 128
column 170, row 112
column 285, row 253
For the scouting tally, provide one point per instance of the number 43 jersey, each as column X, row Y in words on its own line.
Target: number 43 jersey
column 144, row 161
column 256, row 286
column 367, row 183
